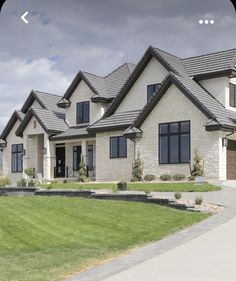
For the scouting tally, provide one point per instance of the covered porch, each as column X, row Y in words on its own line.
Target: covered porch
column 69, row 149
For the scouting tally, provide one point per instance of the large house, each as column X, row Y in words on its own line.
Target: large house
column 162, row 109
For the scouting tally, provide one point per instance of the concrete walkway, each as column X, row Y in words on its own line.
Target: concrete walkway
column 203, row 252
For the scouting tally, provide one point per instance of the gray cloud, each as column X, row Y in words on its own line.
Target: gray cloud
column 66, row 36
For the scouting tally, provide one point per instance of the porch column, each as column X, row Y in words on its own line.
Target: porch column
column 84, row 150
column 47, row 158
column 25, row 157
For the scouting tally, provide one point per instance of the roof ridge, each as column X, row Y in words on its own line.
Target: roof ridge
column 40, row 92
column 86, row 72
column 124, row 64
column 203, row 55
column 168, row 53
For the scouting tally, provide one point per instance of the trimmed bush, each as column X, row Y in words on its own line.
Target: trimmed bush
column 30, row 172
column 21, row 183
column 4, row 182
column 82, row 171
column 178, row 177
column 165, row 177
column 137, row 170
column 198, row 200
column 149, row 177
column 178, row 195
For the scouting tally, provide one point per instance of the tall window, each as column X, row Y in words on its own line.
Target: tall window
column 82, row 112
column 17, row 158
column 76, row 157
column 118, row 147
column 151, row 90
column 232, row 95
column 174, row 142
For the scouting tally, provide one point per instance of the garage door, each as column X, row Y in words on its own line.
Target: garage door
column 231, row 160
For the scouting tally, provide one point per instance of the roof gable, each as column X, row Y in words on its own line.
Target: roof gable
column 49, row 121
column 45, row 100
column 17, row 115
column 210, row 106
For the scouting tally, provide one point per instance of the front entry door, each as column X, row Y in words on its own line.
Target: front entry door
column 60, row 162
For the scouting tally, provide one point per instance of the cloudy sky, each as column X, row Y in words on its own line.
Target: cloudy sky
column 64, row 37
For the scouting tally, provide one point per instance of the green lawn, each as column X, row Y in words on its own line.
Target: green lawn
column 162, row 187
column 47, row 239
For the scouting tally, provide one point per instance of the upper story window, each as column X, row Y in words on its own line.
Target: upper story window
column 17, row 158
column 82, row 112
column 232, row 95
column 174, row 142
column 118, row 147
column 152, row 89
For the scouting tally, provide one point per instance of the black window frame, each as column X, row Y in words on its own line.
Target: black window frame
column 232, row 95
column 168, row 135
column 118, row 154
column 84, row 119
column 19, row 153
column 77, row 152
column 156, row 86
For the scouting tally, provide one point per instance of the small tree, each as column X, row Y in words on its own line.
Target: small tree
column 137, row 170
column 82, row 170
column 197, row 166
column 30, row 172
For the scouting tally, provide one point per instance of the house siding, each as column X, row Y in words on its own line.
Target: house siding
column 6, row 156
column 136, row 98
column 81, row 94
column 208, row 144
column 112, row 169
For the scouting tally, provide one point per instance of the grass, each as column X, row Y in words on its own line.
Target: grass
column 161, row 187
column 47, row 239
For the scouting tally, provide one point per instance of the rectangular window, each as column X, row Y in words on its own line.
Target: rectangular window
column 232, row 95
column 151, row 90
column 76, row 157
column 118, row 147
column 174, row 142
column 82, row 112
column 17, row 158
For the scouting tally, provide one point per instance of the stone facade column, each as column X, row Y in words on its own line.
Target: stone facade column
column 47, row 158
column 84, row 150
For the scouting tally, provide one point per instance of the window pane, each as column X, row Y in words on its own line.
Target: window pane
column 122, row 147
column 174, row 128
column 163, row 129
column 14, row 148
column 185, row 147
column 79, row 113
column 185, row 127
column 232, row 95
column 86, row 113
column 174, row 149
column 113, row 147
column 19, row 163
column 163, row 150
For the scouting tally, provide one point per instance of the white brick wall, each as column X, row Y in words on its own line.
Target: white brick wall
column 137, row 96
column 112, row 169
column 81, row 94
column 174, row 106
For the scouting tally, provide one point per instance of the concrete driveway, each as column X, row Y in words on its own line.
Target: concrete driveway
column 209, row 257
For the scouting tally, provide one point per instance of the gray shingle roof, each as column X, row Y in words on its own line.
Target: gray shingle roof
column 115, row 121
column 109, row 86
column 47, row 119
column 215, row 62
column 17, row 115
column 72, row 133
column 197, row 94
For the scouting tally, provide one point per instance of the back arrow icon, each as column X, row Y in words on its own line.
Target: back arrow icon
column 23, row 17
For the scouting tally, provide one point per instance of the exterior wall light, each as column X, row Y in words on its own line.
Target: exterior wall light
column 225, row 142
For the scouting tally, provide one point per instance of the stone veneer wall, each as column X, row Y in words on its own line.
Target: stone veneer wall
column 175, row 106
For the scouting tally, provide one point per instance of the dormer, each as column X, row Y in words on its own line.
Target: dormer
column 89, row 95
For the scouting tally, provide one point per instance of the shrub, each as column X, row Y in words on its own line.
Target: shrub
column 31, row 183
column 178, row 177
column 65, row 181
column 178, row 195
column 30, row 172
column 198, row 169
column 122, row 185
column 165, row 177
column 198, row 200
column 149, row 177
column 21, row 183
column 137, row 170
column 4, row 182
column 82, row 171
column 49, row 186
